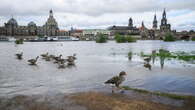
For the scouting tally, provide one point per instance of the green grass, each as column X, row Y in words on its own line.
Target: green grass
column 169, row 95
column 171, row 55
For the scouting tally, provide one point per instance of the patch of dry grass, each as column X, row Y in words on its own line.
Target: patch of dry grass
column 100, row 101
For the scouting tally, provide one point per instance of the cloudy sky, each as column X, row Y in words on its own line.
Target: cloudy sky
column 99, row 13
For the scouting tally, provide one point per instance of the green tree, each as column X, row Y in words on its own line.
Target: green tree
column 130, row 39
column 169, row 37
column 101, row 38
column 120, row 39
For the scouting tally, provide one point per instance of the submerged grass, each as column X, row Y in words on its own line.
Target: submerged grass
column 169, row 95
column 171, row 55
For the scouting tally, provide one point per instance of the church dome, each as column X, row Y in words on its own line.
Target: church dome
column 12, row 21
column 31, row 24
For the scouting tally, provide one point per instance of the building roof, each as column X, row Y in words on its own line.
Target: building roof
column 121, row 28
column 12, row 21
column 31, row 23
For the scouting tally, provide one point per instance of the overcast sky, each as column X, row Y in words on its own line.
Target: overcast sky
column 99, row 13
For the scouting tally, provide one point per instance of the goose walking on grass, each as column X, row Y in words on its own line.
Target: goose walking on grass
column 116, row 80
column 19, row 55
column 33, row 61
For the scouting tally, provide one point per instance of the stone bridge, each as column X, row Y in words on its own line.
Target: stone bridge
column 185, row 35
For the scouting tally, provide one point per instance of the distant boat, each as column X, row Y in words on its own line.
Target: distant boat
column 7, row 39
column 54, row 38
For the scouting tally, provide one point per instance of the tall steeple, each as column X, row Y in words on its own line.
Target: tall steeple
column 164, row 18
column 143, row 26
column 51, row 13
column 155, row 22
column 130, row 22
column 164, row 13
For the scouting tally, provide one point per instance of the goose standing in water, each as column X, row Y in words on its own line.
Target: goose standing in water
column 33, row 61
column 117, row 80
column 147, row 59
column 47, row 58
column 19, row 55
column 61, row 65
column 45, row 55
column 71, row 60
column 57, row 58
column 147, row 65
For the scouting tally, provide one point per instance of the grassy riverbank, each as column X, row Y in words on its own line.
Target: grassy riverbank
column 92, row 101
column 169, row 95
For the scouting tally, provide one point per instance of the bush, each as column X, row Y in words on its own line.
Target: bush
column 169, row 37
column 19, row 41
column 130, row 39
column 130, row 54
column 193, row 38
column 120, row 39
column 101, row 38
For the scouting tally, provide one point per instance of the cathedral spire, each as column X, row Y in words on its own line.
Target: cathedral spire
column 155, row 22
column 164, row 13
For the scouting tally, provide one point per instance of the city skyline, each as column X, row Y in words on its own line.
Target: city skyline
column 180, row 14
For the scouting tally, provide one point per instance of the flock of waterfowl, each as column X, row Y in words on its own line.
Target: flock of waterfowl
column 62, row 63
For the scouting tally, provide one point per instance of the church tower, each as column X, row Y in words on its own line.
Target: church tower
column 164, row 27
column 130, row 22
column 164, row 18
column 155, row 23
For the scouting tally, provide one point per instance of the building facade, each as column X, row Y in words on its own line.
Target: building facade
column 125, row 30
column 50, row 28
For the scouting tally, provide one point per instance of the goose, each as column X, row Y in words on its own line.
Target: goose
column 147, row 65
column 44, row 55
column 33, row 61
column 19, row 55
column 116, row 80
column 147, row 59
column 61, row 65
column 57, row 58
column 47, row 58
column 73, row 56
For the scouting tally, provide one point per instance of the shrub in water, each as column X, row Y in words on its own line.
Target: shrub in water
column 19, row 41
column 130, row 39
column 120, row 39
column 169, row 37
column 101, row 38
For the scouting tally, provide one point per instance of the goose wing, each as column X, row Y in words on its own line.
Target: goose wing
column 113, row 80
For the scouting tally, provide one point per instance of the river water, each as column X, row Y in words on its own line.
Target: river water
column 94, row 65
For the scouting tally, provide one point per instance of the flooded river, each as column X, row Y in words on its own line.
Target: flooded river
column 95, row 63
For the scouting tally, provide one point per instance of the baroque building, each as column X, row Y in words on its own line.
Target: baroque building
column 50, row 28
column 125, row 30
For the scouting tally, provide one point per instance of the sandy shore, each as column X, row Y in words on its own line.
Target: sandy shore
column 93, row 101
